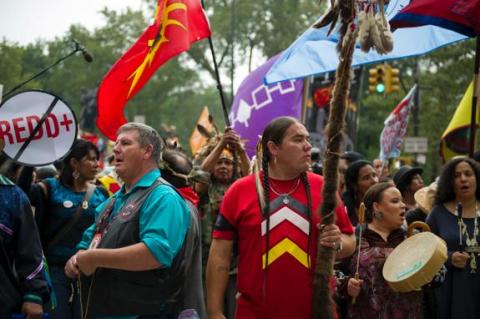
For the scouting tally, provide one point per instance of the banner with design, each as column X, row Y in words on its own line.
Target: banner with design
column 256, row 104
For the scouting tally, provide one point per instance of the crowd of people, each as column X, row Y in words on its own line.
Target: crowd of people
column 165, row 236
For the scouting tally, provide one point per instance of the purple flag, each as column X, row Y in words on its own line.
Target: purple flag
column 256, row 104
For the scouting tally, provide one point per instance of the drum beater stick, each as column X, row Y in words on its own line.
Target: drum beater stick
column 361, row 222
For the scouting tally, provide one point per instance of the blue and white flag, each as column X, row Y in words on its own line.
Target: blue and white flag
column 315, row 53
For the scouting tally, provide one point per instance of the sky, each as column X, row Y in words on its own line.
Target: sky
column 24, row 21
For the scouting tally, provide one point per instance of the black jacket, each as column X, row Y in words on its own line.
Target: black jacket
column 21, row 266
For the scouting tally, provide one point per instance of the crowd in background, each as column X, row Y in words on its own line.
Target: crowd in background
column 217, row 250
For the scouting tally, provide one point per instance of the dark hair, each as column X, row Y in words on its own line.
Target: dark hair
column 45, row 172
column 374, row 195
column 79, row 150
column 351, row 179
column 10, row 169
column 275, row 131
column 175, row 161
column 350, row 196
column 445, row 190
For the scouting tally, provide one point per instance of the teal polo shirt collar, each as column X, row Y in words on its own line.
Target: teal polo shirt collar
column 147, row 180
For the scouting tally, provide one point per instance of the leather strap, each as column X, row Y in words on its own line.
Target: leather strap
column 74, row 219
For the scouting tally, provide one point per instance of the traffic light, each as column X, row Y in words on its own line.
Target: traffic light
column 392, row 80
column 372, row 80
column 376, row 79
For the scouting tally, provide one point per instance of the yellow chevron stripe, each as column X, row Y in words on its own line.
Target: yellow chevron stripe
column 286, row 246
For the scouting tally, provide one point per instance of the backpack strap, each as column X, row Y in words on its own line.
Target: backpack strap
column 74, row 219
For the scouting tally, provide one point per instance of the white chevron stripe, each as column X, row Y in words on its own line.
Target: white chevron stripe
column 286, row 214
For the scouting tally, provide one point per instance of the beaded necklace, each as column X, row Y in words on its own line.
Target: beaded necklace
column 472, row 247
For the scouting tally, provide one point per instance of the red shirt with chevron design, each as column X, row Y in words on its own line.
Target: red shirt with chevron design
column 283, row 289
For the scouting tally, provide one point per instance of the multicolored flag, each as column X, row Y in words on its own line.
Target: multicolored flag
column 395, row 128
column 255, row 104
column 461, row 16
column 455, row 139
column 177, row 24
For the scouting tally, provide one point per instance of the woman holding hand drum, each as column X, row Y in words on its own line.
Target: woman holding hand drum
column 455, row 218
column 385, row 215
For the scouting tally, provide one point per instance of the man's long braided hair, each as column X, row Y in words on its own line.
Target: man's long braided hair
column 275, row 132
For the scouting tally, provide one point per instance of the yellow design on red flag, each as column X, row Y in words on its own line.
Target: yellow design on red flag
column 160, row 38
column 177, row 24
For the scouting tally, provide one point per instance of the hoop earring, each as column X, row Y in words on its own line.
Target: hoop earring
column 75, row 174
column 378, row 215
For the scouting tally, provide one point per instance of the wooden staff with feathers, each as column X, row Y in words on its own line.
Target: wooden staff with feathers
column 323, row 306
column 345, row 11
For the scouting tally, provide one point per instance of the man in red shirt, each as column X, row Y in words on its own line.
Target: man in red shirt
column 277, row 242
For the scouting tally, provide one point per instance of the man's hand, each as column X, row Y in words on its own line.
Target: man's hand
column 330, row 236
column 71, row 268
column 86, row 262
column 32, row 310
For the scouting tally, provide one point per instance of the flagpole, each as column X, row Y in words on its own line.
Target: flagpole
column 473, row 119
column 217, row 75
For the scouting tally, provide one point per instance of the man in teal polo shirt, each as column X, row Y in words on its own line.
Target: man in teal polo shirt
column 123, row 259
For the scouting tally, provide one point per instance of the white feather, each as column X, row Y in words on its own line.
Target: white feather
column 375, row 30
column 364, row 31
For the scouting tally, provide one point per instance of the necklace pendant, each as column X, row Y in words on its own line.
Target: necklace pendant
column 85, row 204
column 285, row 200
column 473, row 264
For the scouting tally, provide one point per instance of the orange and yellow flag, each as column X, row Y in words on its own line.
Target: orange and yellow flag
column 197, row 140
column 177, row 24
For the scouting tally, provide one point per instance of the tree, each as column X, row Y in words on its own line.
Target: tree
column 444, row 77
column 241, row 27
column 185, row 82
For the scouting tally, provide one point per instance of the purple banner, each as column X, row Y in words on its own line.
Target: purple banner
column 256, row 104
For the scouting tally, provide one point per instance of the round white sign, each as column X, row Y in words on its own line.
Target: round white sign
column 26, row 141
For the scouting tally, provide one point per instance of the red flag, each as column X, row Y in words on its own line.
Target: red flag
column 177, row 24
